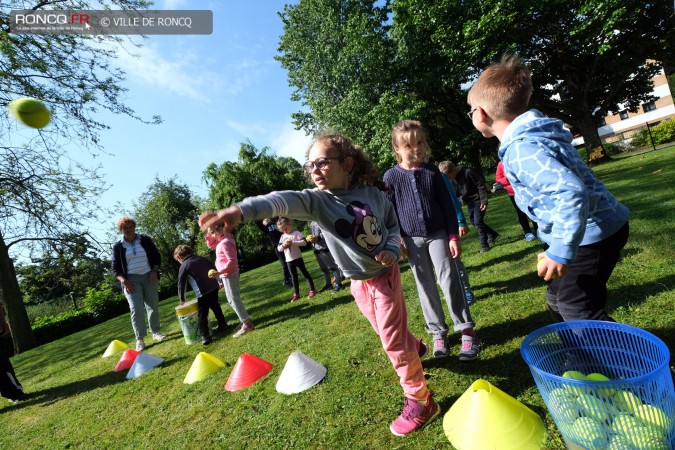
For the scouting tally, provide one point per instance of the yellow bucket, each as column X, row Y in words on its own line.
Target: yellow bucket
column 189, row 321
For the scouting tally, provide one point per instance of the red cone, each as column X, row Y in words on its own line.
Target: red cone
column 247, row 371
column 127, row 360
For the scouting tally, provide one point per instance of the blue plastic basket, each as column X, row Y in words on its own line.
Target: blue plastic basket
column 634, row 410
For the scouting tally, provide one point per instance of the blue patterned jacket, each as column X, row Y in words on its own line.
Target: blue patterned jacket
column 556, row 188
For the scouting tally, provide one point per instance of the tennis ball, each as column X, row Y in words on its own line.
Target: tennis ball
column 647, row 438
column 605, row 393
column 563, row 405
column 574, row 375
column 30, row 111
column 594, row 407
column 619, row 442
column 626, row 400
column 540, row 264
column 653, row 417
column 623, row 423
column 589, row 433
column 213, row 272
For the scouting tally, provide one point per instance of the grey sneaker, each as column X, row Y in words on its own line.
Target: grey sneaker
column 440, row 348
column 470, row 348
column 245, row 328
column 158, row 337
column 140, row 345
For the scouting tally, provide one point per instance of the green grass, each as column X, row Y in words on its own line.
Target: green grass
column 77, row 401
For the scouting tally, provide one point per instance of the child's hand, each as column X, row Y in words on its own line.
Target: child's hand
column 549, row 268
column 182, row 302
column 386, row 258
column 463, row 231
column 287, row 243
column 230, row 217
column 311, row 238
column 455, row 248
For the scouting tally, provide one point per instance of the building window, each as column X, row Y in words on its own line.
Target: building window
column 651, row 106
column 623, row 114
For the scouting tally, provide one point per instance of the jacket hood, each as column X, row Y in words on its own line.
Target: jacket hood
column 534, row 125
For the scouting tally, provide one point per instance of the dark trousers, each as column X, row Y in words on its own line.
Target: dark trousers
column 9, row 386
column 484, row 230
column 523, row 220
column 204, row 303
column 284, row 266
column 582, row 293
column 293, row 267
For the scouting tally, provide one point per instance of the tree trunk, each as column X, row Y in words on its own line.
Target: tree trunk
column 10, row 295
column 589, row 130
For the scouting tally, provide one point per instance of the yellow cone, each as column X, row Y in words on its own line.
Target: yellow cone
column 486, row 417
column 204, row 365
column 114, row 348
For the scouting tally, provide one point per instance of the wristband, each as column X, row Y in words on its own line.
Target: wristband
column 453, row 237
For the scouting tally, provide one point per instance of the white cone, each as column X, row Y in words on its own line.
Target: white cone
column 300, row 373
column 142, row 364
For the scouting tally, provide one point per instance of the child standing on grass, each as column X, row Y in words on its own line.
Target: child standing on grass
column 360, row 227
column 227, row 269
column 463, row 231
column 582, row 224
column 290, row 243
column 430, row 233
column 326, row 262
column 194, row 269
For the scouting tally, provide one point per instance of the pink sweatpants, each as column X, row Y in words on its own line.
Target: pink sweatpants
column 381, row 300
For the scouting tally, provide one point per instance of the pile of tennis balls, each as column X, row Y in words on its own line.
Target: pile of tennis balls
column 608, row 418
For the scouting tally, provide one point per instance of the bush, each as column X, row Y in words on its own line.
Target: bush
column 103, row 303
column 664, row 132
column 47, row 329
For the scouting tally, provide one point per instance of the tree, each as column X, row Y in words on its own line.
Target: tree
column 255, row 173
column 167, row 212
column 65, row 269
column 588, row 57
column 44, row 193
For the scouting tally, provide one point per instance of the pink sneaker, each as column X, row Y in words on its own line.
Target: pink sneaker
column 295, row 297
column 312, row 293
column 415, row 416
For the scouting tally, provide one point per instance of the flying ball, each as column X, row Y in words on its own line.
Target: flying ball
column 30, row 111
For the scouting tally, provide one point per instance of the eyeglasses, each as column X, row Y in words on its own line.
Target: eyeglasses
column 319, row 163
column 470, row 113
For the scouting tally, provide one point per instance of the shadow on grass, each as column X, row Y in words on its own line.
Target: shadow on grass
column 302, row 308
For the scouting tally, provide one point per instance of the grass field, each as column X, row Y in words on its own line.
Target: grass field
column 77, row 401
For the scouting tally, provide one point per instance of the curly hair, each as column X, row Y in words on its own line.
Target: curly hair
column 363, row 170
column 124, row 222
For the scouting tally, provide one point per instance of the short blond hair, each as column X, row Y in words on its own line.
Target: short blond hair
column 281, row 221
column 125, row 221
column 503, row 89
column 447, row 167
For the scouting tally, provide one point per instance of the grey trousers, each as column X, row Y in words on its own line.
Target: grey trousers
column 146, row 295
column 429, row 254
column 233, row 294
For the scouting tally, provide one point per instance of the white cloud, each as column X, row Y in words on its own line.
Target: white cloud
column 282, row 138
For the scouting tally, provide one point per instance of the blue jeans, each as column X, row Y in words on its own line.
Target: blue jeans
column 582, row 293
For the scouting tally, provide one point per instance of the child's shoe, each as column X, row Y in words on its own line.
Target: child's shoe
column 140, row 345
column 415, row 416
column 529, row 237
column 312, row 293
column 295, row 297
column 206, row 340
column 470, row 348
column 423, row 349
column 440, row 348
column 326, row 287
column 337, row 288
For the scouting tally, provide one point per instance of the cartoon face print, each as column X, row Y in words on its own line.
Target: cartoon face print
column 365, row 229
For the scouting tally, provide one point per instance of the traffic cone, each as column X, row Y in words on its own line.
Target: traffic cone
column 115, row 347
column 486, row 417
column 300, row 373
column 247, row 371
column 127, row 359
column 204, row 365
column 143, row 363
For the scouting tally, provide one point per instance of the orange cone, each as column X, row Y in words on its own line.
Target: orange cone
column 127, row 360
column 247, row 371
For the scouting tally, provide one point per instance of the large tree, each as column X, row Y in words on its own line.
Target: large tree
column 168, row 212
column 44, row 193
column 256, row 172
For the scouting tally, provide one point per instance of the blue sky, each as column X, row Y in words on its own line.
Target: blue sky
column 212, row 91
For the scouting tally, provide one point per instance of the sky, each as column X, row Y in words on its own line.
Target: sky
column 213, row 92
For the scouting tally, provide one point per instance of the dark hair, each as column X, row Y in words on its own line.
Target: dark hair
column 363, row 170
column 182, row 251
